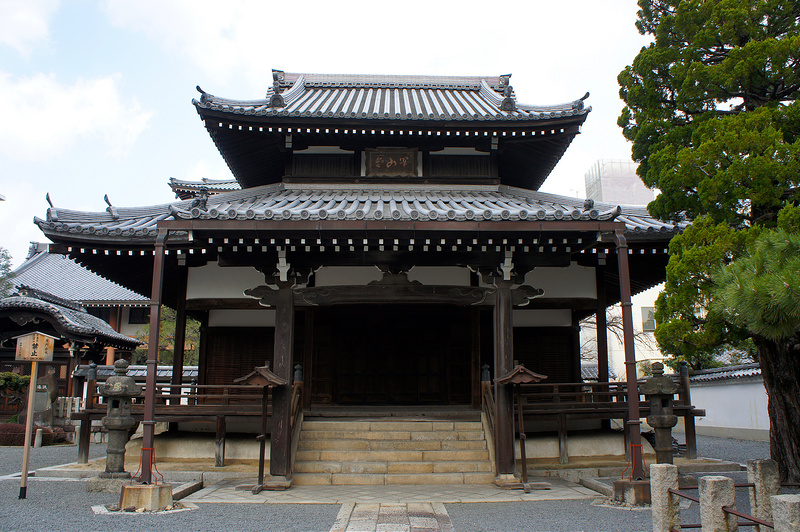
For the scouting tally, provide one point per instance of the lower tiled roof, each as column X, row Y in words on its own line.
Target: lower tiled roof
column 352, row 202
column 61, row 276
column 73, row 321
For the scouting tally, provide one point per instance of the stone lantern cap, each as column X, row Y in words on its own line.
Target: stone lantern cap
column 119, row 384
column 659, row 384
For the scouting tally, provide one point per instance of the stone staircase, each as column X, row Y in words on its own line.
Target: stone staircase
column 392, row 452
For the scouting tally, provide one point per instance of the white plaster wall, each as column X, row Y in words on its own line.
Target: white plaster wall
column 734, row 408
column 542, row 318
column 241, row 318
column 213, row 281
column 128, row 329
column 572, row 281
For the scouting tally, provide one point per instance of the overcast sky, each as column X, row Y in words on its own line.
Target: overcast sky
column 95, row 96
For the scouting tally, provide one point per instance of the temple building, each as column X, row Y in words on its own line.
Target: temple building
column 385, row 234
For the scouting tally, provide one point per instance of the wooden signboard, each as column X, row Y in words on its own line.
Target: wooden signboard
column 35, row 346
column 391, row 162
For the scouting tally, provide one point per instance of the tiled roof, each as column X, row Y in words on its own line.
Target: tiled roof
column 190, row 189
column 72, row 319
column 163, row 373
column 61, row 276
column 727, row 373
column 407, row 98
column 590, row 372
column 352, row 202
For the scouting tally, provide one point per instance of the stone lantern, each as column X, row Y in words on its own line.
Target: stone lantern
column 119, row 390
column 659, row 391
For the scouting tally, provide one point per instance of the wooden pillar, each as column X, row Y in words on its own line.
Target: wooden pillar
column 601, row 330
column 281, row 439
column 634, row 422
column 503, row 363
column 149, row 423
column 180, row 334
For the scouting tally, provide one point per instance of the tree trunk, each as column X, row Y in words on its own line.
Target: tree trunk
column 780, row 367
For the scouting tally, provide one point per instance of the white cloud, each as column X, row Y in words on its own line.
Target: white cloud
column 24, row 24
column 44, row 117
column 16, row 220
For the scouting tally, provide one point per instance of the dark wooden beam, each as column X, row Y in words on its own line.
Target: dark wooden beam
column 281, row 443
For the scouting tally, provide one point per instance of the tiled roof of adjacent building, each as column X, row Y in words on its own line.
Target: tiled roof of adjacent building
column 72, row 321
column 139, row 373
column 726, row 373
column 407, row 98
column 352, row 202
column 61, row 276
column 190, row 189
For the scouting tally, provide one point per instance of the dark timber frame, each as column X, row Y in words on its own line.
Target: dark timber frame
column 285, row 300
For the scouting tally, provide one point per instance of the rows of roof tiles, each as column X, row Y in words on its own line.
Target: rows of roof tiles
column 287, row 202
column 399, row 100
column 77, row 322
column 61, row 276
column 741, row 371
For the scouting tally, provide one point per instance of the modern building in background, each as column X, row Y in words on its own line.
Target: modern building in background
column 615, row 181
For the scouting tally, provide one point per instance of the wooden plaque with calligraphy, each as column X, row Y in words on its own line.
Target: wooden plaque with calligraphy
column 391, row 162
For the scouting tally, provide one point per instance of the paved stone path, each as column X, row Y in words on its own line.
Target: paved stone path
column 392, row 517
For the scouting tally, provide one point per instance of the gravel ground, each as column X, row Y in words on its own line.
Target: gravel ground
column 65, row 505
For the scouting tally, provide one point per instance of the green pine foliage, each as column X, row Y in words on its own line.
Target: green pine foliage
column 6, row 273
column 760, row 291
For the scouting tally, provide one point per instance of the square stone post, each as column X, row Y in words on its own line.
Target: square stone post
column 786, row 512
column 664, row 505
column 716, row 492
column 764, row 475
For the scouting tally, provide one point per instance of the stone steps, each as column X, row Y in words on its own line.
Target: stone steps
column 375, row 452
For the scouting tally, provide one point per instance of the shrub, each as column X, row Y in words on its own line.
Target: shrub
column 14, row 434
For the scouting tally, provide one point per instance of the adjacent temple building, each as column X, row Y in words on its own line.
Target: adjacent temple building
column 385, row 234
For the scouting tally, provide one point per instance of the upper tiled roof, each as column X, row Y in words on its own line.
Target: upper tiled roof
column 63, row 277
column 351, row 202
column 139, row 373
column 407, row 98
column 726, row 373
column 189, row 189
column 71, row 320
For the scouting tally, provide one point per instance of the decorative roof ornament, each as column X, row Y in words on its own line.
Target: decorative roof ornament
column 52, row 215
column 508, row 103
column 277, row 78
column 578, row 104
column 111, row 209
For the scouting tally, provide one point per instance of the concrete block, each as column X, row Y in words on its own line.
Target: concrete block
column 786, row 512
column 401, row 426
column 363, row 467
column 312, row 479
column 421, row 445
column 428, row 478
column 106, row 485
column 632, row 492
column 437, row 456
column 370, row 456
column 765, row 477
column 340, row 479
column 464, row 445
column 665, row 506
column 410, row 467
column 148, row 497
column 716, row 492
column 462, row 467
column 485, row 477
